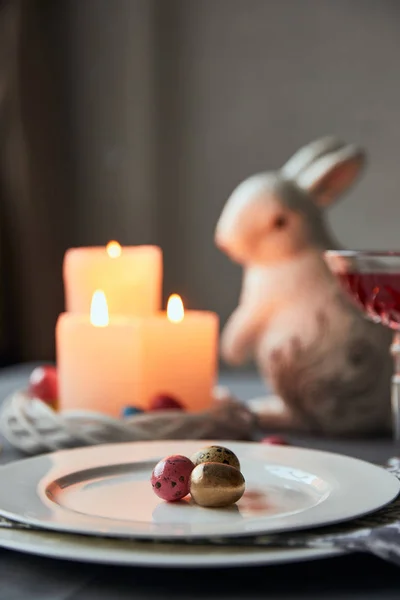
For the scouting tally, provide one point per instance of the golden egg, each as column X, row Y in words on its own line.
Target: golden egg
column 217, row 454
column 215, row 485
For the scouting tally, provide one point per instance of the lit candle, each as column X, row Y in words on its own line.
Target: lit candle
column 105, row 363
column 130, row 276
column 95, row 355
column 176, row 356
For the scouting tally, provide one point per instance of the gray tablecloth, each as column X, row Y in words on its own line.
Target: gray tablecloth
column 359, row 577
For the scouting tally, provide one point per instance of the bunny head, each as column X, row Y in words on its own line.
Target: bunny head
column 274, row 216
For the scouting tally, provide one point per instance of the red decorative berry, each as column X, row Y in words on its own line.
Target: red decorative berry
column 43, row 384
column 276, row 440
column 165, row 402
column 170, row 478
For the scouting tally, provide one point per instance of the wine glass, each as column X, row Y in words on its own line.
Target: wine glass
column 373, row 281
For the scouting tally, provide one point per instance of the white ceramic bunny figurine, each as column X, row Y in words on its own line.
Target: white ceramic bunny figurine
column 329, row 365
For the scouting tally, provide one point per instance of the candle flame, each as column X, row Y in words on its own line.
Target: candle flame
column 175, row 310
column 99, row 309
column 113, row 249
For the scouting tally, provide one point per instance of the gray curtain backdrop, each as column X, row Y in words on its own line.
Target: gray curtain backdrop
column 134, row 120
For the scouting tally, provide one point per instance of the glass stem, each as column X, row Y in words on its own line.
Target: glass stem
column 395, row 350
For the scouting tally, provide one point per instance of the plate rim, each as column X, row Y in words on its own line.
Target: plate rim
column 64, row 548
column 82, row 522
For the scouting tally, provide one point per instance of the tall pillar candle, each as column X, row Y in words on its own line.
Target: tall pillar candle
column 130, row 277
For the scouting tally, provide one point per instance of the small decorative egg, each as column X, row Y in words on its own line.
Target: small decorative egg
column 215, row 485
column 171, row 477
column 43, row 384
column 217, row 454
column 165, row 402
column 275, row 440
column 130, row 411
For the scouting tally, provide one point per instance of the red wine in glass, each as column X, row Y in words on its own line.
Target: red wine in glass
column 372, row 279
column 377, row 294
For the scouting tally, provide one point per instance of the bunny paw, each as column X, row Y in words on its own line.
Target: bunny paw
column 231, row 354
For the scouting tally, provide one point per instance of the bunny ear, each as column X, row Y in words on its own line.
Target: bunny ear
column 307, row 155
column 331, row 175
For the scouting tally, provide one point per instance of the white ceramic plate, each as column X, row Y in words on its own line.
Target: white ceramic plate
column 105, row 491
column 142, row 554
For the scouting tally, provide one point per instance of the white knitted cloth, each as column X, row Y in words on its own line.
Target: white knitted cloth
column 33, row 427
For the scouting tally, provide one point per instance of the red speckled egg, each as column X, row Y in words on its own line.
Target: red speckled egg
column 171, row 477
column 276, row 440
column 165, row 402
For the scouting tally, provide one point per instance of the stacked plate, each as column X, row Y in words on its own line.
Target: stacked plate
column 96, row 504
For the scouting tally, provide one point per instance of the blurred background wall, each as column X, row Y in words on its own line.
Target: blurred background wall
column 152, row 111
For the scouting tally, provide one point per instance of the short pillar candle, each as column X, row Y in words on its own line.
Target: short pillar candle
column 105, row 363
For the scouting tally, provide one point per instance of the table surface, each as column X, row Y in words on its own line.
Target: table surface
column 354, row 576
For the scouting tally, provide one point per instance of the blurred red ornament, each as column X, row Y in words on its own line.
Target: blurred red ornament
column 275, row 440
column 43, row 384
column 165, row 402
